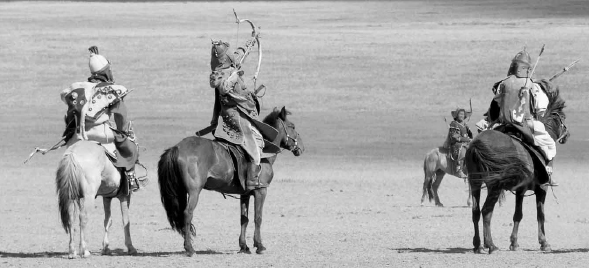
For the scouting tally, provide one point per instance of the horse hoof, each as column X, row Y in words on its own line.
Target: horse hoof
column 190, row 253
column 514, row 247
column 493, row 249
column 105, row 251
column 260, row 250
column 132, row 251
column 245, row 251
column 86, row 254
column 479, row 250
column 72, row 256
column 440, row 205
column 546, row 248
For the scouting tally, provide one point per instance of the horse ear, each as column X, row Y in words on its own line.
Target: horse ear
column 283, row 113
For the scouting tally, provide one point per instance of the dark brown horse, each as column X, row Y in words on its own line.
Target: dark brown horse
column 501, row 163
column 196, row 163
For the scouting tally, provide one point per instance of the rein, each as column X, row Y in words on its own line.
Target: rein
column 288, row 137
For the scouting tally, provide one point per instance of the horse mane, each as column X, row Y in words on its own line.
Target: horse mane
column 272, row 118
column 555, row 109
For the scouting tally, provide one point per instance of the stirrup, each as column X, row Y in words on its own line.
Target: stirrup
column 130, row 133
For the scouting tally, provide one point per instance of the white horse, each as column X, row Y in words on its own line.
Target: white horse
column 84, row 173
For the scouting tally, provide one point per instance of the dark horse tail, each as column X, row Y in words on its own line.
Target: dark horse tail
column 173, row 191
column 496, row 161
column 68, row 182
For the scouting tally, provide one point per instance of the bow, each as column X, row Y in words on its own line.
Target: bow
column 250, row 44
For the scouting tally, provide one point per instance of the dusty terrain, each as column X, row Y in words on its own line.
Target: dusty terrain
column 368, row 85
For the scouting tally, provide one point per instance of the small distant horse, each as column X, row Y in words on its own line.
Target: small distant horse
column 84, row 173
column 196, row 163
column 501, row 163
column 435, row 166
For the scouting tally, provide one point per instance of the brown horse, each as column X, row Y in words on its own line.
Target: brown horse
column 501, row 163
column 435, row 166
column 196, row 163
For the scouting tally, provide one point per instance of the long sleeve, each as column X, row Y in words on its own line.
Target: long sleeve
column 216, row 109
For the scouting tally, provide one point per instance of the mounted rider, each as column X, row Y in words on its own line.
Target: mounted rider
column 459, row 135
column 521, row 102
column 236, row 110
column 91, row 107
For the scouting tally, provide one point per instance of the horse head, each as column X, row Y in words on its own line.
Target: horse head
column 288, row 138
column 554, row 118
column 563, row 131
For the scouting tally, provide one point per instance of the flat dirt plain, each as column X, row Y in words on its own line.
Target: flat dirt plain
column 368, row 84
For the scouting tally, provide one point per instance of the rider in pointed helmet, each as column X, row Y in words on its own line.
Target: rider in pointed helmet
column 519, row 100
column 236, row 109
column 100, row 100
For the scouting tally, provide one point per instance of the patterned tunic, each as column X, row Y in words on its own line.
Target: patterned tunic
column 236, row 117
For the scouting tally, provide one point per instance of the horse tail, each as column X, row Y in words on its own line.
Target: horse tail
column 68, row 181
column 428, row 179
column 496, row 165
column 173, row 191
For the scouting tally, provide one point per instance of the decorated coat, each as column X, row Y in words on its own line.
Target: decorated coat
column 236, row 109
column 459, row 132
column 513, row 100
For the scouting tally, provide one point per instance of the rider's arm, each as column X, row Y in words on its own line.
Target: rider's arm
column 216, row 109
column 540, row 100
column 468, row 132
column 232, row 87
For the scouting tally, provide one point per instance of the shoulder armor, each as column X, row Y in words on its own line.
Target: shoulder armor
column 104, row 96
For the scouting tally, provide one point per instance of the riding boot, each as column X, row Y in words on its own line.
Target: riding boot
column 128, row 156
column 135, row 183
column 253, row 177
column 459, row 172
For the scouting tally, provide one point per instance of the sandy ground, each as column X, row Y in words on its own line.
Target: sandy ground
column 368, row 85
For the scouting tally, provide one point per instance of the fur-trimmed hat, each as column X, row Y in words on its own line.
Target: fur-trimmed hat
column 97, row 62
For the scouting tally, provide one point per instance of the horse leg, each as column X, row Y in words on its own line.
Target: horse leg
column 106, row 202
column 492, row 197
column 476, row 217
column 244, row 202
column 188, row 227
column 439, row 178
column 426, row 184
column 517, row 217
column 125, row 204
column 468, row 200
column 72, row 247
column 540, row 198
column 260, row 196
column 83, row 221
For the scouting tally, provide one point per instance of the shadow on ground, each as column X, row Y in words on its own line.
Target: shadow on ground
column 24, row 255
column 427, row 250
column 115, row 252
column 561, row 251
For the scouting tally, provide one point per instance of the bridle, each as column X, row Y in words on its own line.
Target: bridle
column 288, row 137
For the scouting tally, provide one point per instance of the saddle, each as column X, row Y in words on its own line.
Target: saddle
column 124, row 160
column 239, row 159
column 454, row 153
column 525, row 137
